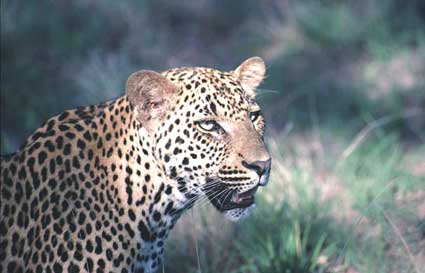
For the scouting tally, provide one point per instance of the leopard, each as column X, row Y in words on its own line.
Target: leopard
column 99, row 188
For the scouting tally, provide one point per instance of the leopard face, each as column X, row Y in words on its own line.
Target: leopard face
column 207, row 131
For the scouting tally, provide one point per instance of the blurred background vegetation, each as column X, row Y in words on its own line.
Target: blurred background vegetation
column 344, row 99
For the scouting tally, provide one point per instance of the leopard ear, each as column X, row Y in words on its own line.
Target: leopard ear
column 250, row 74
column 150, row 94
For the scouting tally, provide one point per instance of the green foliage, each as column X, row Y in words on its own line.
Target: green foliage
column 274, row 239
column 285, row 244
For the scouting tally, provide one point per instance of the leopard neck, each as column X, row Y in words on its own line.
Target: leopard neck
column 147, row 200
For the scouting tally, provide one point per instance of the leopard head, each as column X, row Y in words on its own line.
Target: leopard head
column 206, row 131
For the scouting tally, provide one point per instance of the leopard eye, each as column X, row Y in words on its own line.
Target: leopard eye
column 209, row 125
column 253, row 116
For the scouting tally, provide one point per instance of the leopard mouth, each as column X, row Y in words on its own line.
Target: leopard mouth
column 227, row 199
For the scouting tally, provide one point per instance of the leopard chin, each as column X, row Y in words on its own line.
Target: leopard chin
column 238, row 213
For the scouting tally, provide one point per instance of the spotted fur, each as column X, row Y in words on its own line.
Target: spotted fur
column 97, row 189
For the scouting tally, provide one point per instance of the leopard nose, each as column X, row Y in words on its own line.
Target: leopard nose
column 260, row 167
